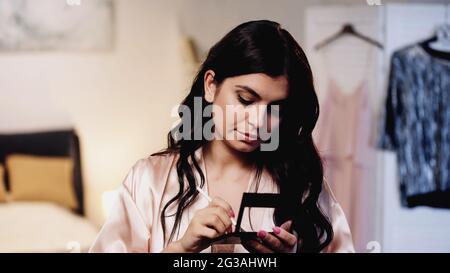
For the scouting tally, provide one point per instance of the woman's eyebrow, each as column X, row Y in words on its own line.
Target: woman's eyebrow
column 250, row 90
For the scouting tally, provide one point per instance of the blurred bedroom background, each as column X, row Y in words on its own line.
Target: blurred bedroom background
column 87, row 88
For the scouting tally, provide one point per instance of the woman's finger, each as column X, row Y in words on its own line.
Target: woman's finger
column 220, row 203
column 213, row 219
column 217, row 201
column 222, row 213
column 271, row 241
column 209, row 233
column 286, row 237
column 214, row 214
column 287, row 225
column 255, row 247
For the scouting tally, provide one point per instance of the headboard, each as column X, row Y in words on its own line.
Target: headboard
column 51, row 143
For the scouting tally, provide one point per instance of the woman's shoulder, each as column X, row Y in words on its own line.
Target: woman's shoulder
column 150, row 172
column 155, row 162
column 160, row 159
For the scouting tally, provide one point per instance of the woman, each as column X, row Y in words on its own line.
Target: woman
column 259, row 71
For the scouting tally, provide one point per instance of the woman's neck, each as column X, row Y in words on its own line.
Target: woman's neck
column 225, row 158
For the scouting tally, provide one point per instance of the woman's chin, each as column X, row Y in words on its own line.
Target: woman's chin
column 243, row 146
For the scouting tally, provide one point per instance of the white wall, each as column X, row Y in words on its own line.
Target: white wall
column 207, row 21
column 119, row 101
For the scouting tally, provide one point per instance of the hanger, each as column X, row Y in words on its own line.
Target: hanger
column 348, row 29
column 441, row 40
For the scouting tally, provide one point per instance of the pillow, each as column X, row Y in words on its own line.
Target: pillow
column 2, row 185
column 41, row 178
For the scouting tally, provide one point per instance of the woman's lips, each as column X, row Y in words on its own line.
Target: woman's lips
column 248, row 138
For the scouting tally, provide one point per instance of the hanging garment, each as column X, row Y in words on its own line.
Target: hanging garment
column 342, row 140
column 416, row 125
column 342, row 137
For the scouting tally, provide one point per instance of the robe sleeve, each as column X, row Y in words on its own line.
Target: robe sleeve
column 342, row 239
column 127, row 229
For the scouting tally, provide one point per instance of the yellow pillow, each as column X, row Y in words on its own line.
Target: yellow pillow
column 2, row 185
column 41, row 178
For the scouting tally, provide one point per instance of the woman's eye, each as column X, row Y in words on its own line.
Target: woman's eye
column 244, row 101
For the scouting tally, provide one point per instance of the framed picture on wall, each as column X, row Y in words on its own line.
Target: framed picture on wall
column 56, row 25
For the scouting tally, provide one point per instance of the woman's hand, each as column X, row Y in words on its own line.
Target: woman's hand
column 208, row 223
column 281, row 241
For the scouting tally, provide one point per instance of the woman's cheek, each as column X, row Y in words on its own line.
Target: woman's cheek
column 272, row 122
column 219, row 122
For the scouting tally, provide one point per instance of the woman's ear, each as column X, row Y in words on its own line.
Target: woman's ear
column 210, row 86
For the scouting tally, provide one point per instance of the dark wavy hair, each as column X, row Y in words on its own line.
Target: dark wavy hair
column 262, row 47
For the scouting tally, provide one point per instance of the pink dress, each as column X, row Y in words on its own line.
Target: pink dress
column 134, row 223
column 342, row 137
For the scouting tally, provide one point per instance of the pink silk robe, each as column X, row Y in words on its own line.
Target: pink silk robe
column 134, row 223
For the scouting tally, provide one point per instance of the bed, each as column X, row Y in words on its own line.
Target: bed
column 42, row 226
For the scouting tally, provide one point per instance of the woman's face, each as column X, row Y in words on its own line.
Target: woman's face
column 246, row 108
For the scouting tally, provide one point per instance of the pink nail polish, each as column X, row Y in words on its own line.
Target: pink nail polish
column 262, row 234
column 231, row 213
column 277, row 230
